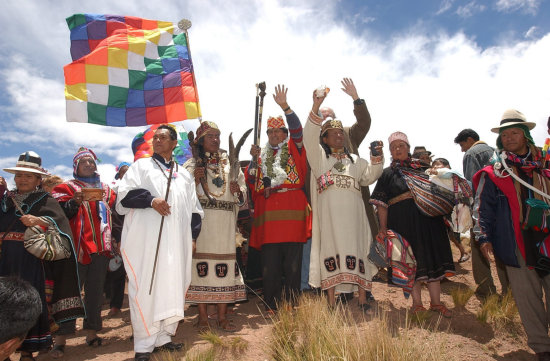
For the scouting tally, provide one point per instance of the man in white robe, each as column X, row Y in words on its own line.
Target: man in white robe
column 155, row 315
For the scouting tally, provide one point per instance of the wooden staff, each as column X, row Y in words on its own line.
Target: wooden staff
column 161, row 225
column 185, row 24
column 259, row 111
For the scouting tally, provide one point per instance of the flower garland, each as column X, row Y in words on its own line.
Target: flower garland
column 215, row 164
column 273, row 166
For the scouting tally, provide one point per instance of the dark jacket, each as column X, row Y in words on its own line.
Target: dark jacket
column 494, row 219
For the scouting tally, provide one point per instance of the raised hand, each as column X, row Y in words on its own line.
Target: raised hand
column 349, row 88
column 280, row 96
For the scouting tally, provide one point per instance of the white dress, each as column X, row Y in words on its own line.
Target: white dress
column 216, row 277
column 341, row 235
column 163, row 308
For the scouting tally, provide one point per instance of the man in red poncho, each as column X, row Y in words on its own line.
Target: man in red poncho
column 282, row 215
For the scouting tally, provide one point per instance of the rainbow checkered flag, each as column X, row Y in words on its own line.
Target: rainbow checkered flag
column 128, row 71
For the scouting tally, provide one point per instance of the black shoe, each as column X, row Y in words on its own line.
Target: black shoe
column 142, row 356
column 169, row 347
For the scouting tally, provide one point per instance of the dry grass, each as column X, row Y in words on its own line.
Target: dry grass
column 461, row 296
column 313, row 332
column 502, row 312
column 220, row 348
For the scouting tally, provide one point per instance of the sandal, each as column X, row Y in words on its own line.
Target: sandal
column 95, row 342
column 441, row 309
column 227, row 326
column 202, row 327
column 27, row 356
column 417, row 309
column 58, row 351
column 464, row 258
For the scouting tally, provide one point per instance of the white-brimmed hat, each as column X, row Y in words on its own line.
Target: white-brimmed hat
column 28, row 162
column 513, row 117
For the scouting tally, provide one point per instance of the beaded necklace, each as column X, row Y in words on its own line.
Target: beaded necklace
column 215, row 164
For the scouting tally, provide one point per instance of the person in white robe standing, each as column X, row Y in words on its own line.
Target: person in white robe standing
column 141, row 198
column 341, row 235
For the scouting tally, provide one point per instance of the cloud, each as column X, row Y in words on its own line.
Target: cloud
column 526, row 6
column 444, row 6
column 532, row 32
column 470, row 9
column 429, row 84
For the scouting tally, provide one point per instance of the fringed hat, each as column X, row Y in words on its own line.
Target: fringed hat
column 28, row 162
column 513, row 117
column 206, row 127
column 398, row 136
column 331, row 124
column 275, row 123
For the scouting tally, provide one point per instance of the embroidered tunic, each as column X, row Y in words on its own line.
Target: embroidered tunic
column 341, row 233
column 215, row 275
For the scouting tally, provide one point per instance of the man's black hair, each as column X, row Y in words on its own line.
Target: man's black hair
column 284, row 129
column 172, row 131
column 20, row 306
column 465, row 134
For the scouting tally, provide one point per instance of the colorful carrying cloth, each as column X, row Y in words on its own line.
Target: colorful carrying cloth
column 400, row 257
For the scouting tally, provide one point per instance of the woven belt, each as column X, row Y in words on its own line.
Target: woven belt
column 282, row 190
column 399, row 198
column 12, row 236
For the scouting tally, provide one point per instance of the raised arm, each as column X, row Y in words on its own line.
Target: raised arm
column 360, row 128
column 294, row 125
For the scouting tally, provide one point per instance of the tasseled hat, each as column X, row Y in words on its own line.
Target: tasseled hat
column 205, row 128
column 81, row 153
column 331, row 124
column 275, row 123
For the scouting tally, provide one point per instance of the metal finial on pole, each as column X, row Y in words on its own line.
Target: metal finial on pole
column 184, row 24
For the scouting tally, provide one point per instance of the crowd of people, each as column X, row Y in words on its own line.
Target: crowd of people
column 304, row 207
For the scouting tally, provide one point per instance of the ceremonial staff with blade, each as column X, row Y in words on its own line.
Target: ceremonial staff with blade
column 260, row 94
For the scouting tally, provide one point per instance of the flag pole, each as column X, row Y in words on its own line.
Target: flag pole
column 185, row 24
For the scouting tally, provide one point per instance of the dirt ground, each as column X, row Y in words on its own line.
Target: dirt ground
column 463, row 335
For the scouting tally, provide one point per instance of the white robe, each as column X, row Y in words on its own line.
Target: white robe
column 341, row 235
column 152, row 313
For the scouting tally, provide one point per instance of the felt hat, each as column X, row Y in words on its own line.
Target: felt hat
column 28, row 162
column 513, row 117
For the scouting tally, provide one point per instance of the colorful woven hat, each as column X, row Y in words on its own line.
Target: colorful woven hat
column 513, row 117
column 398, row 136
column 331, row 124
column 275, row 123
column 28, row 162
column 205, row 128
